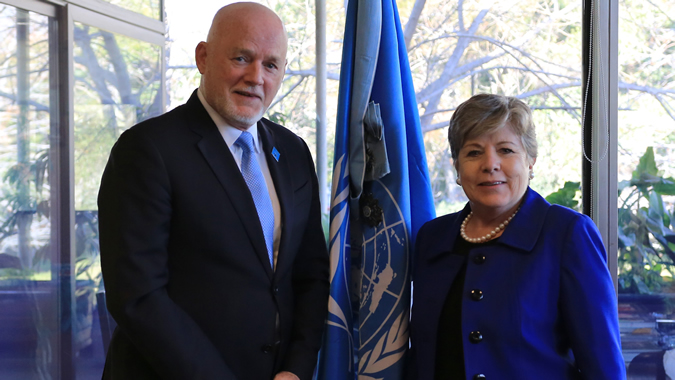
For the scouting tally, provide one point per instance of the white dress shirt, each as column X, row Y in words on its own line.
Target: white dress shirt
column 230, row 135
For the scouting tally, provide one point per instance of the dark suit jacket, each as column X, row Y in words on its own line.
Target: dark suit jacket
column 546, row 291
column 186, row 270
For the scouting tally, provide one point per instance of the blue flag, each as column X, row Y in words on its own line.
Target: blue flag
column 380, row 197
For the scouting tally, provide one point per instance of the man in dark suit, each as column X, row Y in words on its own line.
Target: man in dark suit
column 206, row 278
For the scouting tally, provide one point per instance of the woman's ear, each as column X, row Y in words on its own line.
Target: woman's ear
column 532, row 162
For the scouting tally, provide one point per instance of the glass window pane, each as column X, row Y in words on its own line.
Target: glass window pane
column 646, row 167
column 118, row 84
column 530, row 50
column 150, row 8
column 28, row 299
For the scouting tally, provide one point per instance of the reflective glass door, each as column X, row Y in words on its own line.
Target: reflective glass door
column 28, row 259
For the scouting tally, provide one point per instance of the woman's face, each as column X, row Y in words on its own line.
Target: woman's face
column 494, row 171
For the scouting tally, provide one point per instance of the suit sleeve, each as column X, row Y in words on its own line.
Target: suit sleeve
column 588, row 304
column 310, row 287
column 135, row 218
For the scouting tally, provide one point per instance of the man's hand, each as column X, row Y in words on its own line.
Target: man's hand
column 285, row 375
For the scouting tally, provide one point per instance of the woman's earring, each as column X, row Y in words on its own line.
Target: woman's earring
column 459, row 183
column 531, row 174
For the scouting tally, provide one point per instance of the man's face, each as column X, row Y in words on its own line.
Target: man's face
column 242, row 67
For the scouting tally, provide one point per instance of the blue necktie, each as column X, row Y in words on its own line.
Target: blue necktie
column 255, row 180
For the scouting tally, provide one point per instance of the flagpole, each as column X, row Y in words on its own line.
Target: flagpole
column 321, row 77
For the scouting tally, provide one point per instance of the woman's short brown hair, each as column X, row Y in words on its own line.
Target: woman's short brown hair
column 486, row 113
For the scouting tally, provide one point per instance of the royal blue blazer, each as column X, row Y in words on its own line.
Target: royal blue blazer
column 548, row 311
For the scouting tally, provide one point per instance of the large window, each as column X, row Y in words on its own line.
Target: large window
column 646, row 147
column 117, row 84
column 118, row 81
column 28, row 285
column 68, row 88
column 527, row 49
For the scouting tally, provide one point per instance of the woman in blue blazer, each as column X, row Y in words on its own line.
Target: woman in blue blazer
column 511, row 287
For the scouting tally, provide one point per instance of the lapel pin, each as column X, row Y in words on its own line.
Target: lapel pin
column 275, row 154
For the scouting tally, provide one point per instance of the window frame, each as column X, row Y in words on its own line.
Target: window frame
column 600, row 176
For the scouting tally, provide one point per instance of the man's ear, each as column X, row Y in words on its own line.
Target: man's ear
column 200, row 56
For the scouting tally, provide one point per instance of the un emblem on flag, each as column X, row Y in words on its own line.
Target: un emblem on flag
column 385, row 290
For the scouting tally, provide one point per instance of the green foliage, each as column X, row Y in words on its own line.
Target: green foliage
column 277, row 117
column 646, row 256
column 645, row 230
column 567, row 195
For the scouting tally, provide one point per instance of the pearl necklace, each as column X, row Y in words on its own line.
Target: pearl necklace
column 488, row 237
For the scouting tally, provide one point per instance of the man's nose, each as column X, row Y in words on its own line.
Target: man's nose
column 254, row 74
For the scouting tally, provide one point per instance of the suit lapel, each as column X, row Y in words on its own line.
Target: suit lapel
column 280, row 172
column 445, row 247
column 218, row 156
column 525, row 228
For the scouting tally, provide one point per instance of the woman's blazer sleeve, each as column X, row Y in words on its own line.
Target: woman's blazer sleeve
column 588, row 303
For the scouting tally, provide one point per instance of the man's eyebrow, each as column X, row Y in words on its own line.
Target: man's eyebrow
column 273, row 58
column 248, row 52
column 244, row 51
